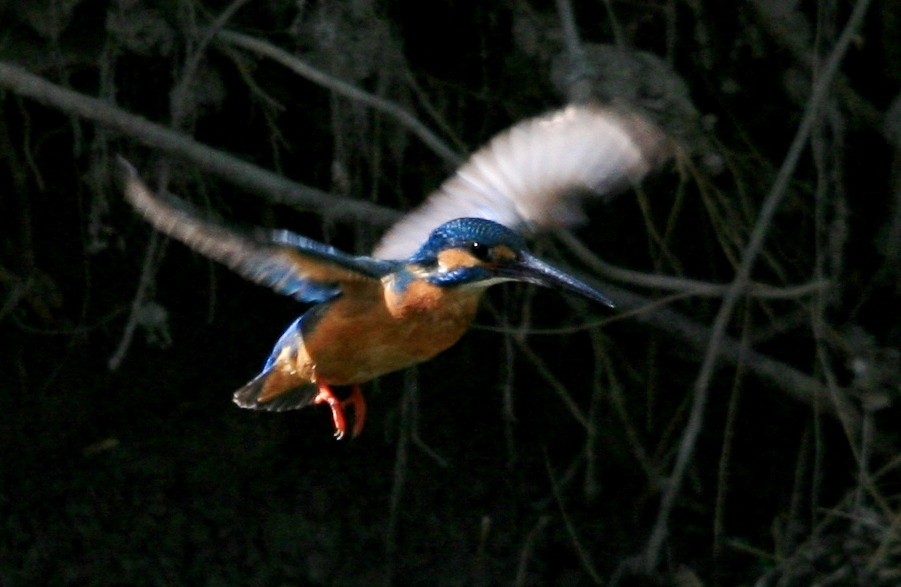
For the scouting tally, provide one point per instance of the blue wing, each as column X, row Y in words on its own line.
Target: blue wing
column 288, row 263
column 531, row 176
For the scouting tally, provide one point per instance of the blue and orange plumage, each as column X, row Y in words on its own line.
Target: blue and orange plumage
column 419, row 292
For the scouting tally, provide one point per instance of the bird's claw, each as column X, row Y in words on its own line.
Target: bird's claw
column 327, row 396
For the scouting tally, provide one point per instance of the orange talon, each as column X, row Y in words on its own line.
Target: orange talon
column 358, row 402
column 326, row 395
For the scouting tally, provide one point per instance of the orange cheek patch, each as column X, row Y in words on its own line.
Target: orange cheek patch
column 455, row 258
column 503, row 253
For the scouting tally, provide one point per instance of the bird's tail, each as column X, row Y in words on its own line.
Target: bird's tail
column 275, row 390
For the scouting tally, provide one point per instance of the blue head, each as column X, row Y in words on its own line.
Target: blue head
column 475, row 252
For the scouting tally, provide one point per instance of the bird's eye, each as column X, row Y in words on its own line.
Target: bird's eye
column 480, row 251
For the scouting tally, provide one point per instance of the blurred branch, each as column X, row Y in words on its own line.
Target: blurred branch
column 17, row 290
column 179, row 96
column 555, row 383
column 528, row 547
column 272, row 186
column 180, row 111
column 401, row 458
column 682, row 285
column 179, row 101
column 148, row 271
column 578, row 86
column 776, row 17
column 821, row 88
column 347, row 90
column 796, row 384
column 617, row 393
column 38, row 290
column 584, row 556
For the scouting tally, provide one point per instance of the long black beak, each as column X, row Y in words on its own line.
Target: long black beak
column 533, row 270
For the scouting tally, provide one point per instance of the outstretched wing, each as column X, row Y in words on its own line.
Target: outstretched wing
column 532, row 175
column 288, row 263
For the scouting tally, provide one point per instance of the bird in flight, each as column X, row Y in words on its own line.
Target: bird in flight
column 418, row 292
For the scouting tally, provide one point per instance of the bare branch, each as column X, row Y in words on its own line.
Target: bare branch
column 683, row 285
column 347, row 90
column 776, row 18
column 578, row 87
column 272, row 186
column 774, row 198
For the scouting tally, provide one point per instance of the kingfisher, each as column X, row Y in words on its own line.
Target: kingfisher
column 417, row 294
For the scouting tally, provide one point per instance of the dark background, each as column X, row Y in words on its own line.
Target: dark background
column 472, row 470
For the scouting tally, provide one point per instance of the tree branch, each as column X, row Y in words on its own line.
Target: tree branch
column 822, row 87
column 347, row 90
column 272, row 186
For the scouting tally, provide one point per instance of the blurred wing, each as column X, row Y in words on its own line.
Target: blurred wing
column 534, row 173
column 288, row 263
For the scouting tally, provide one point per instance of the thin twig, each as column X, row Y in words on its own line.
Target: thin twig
column 579, row 80
column 256, row 180
column 73, row 330
column 528, row 546
column 339, row 86
column 555, row 384
column 509, row 377
column 722, row 482
column 784, row 31
column 821, row 88
column 178, row 110
column 144, row 285
column 411, row 381
column 691, row 287
column 192, row 63
column 17, row 290
column 618, row 401
column 795, row 383
column 591, row 486
column 411, row 408
column 584, row 557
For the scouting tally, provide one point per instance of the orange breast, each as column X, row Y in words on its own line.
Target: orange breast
column 369, row 331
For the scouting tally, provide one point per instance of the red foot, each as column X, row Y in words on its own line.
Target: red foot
column 359, row 404
column 326, row 396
